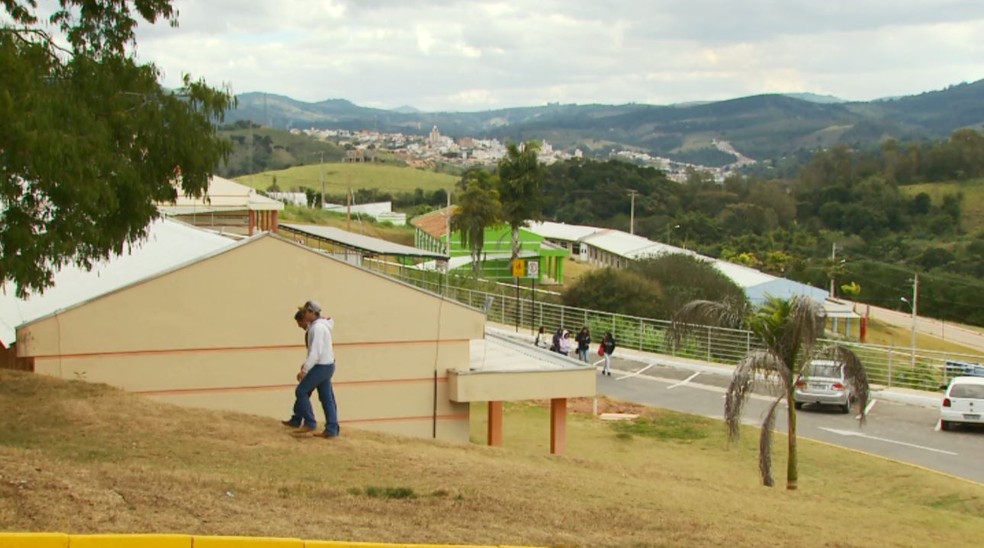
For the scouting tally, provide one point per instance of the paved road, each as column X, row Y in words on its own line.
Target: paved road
column 968, row 336
column 902, row 424
column 907, row 433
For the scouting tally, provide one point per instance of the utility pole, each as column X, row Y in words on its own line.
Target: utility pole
column 833, row 266
column 632, row 195
column 348, row 209
column 915, row 314
column 322, row 179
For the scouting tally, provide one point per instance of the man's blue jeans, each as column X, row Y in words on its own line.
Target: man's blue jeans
column 319, row 377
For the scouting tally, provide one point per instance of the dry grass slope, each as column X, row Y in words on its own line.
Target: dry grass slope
column 77, row 457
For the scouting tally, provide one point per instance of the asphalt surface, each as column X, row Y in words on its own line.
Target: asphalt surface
column 902, row 425
column 904, row 432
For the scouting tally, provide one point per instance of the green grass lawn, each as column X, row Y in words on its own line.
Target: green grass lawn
column 339, row 177
column 73, row 464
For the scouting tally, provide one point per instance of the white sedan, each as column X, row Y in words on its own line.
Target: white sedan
column 963, row 402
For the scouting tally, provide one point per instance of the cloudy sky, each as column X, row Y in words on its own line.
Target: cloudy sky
column 467, row 55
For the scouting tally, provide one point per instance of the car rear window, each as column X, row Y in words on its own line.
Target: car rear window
column 967, row 391
column 832, row 371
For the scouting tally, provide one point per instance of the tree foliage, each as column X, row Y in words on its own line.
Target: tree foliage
column 90, row 140
column 787, row 331
column 520, row 185
column 478, row 208
column 652, row 288
column 616, row 291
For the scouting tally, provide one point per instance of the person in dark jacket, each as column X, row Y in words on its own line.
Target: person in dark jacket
column 583, row 343
column 607, row 346
column 555, row 342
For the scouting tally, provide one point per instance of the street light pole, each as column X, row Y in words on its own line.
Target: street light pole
column 915, row 314
column 632, row 195
column 322, row 179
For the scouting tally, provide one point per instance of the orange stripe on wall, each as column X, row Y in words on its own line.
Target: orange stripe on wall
column 240, row 349
column 457, row 416
column 264, row 388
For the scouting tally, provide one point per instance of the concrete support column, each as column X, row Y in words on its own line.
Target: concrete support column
column 558, row 426
column 495, row 424
column 252, row 221
column 276, row 221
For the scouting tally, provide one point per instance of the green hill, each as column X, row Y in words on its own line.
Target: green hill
column 972, row 214
column 256, row 148
column 762, row 126
column 339, row 177
column 73, row 464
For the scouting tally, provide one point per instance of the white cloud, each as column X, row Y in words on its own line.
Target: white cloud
column 474, row 54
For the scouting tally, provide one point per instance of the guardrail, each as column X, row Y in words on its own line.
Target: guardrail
column 887, row 366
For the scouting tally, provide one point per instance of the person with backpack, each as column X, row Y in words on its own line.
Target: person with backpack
column 607, row 347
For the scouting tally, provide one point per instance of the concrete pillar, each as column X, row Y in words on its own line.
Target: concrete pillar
column 252, row 221
column 495, row 424
column 558, row 426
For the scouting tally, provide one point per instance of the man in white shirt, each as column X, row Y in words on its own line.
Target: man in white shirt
column 316, row 373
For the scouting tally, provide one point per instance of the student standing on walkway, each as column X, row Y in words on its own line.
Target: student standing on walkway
column 583, row 343
column 316, row 372
column 607, row 346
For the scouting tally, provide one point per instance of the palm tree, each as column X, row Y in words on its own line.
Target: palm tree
column 478, row 208
column 521, row 177
column 788, row 331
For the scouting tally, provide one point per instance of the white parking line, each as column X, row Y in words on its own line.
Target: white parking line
column 639, row 372
column 886, row 440
column 684, row 381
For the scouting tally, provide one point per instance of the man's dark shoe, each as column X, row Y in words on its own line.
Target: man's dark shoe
column 326, row 436
column 290, row 424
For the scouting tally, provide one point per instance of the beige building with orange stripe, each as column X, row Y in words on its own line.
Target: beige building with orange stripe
column 218, row 333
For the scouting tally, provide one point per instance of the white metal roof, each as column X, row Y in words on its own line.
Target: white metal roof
column 222, row 195
column 629, row 245
column 743, row 276
column 562, row 231
column 499, row 353
column 359, row 241
column 169, row 244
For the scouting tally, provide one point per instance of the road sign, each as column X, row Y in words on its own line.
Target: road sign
column 532, row 269
column 519, row 268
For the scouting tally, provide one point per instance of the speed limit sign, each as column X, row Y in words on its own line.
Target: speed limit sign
column 532, row 269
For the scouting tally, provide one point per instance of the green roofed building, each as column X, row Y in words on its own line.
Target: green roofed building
column 541, row 260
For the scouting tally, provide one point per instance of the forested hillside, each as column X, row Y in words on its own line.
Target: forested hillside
column 862, row 206
column 763, row 127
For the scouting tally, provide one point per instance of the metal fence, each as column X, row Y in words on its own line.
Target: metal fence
column 887, row 366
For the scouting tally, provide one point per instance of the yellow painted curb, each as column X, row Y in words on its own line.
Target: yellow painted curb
column 33, row 540
column 246, row 542
column 129, row 541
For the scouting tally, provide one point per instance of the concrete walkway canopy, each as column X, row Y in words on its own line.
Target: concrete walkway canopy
column 341, row 243
column 227, row 206
column 502, row 369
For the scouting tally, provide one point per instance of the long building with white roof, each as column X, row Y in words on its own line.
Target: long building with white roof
column 615, row 248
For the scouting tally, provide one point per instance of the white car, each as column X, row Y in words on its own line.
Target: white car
column 824, row 384
column 963, row 402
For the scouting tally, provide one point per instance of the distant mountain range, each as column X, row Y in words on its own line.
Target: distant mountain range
column 760, row 126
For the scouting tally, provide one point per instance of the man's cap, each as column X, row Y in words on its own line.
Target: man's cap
column 313, row 306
